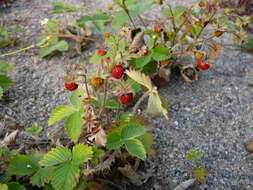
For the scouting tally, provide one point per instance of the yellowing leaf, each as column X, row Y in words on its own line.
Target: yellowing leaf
column 140, row 78
column 200, row 174
column 155, row 105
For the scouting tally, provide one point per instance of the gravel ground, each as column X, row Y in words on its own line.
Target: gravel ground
column 213, row 115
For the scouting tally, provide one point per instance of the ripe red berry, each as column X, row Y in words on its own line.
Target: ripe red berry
column 102, row 51
column 201, row 65
column 117, row 71
column 71, row 86
column 126, row 98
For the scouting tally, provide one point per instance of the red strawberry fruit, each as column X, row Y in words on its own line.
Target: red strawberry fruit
column 201, row 65
column 102, row 51
column 117, row 71
column 71, row 86
column 126, row 98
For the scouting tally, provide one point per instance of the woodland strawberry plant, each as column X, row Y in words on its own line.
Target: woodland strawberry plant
column 5, row 81
column 104, row 124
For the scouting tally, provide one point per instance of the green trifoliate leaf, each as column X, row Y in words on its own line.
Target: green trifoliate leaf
column 60, row 113
column 61, row 45
column 15, row 186
column 136, row 148
column 129, row 132
column 65, row 177
column 56, row 156
column 193, row 154
column 5, row 66
column 81, row 153
column 42, row 176
column 147, row 141
column 114, row 140
column 120, row 18
column 75, row 98
column 60, row 7
column 74, row 125
column 1, row 92
column 160, row 53
column 22, row 165
column 5, row 81
column 34, row 130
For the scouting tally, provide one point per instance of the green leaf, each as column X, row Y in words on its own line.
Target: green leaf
column 4, row 178
column 15, row 186
column 139, row 8
column 122, row 45
column 114, row 140
column 112, row 104
column 5, row 66
column 3, row 187
column 74, row 125
column 17, row 28
column 65, row 177
column 142, row 61
column 96, row 58
column 147, row 141
column 99, row 25
column 149, row 68
column 75, row 98
column 5, row 81
column 200, row 174
column 81, row 153
column 97, row 154
column 94, row 17
column 125, row 116
column 42, row 176
column 120, row 18
column 155, row 105
column 248, row 44
column 51, row 48
column 135, row 87
column 160, row 53
column 53, row 26
column 177, row 11
column 22, row 165
column 34, row 130
column 60, row 7
column 129, row 131
column 56, row 156
column 140, row 78
column 136, row 148
column 60, row 113
column 1, row 92
column 193, row 154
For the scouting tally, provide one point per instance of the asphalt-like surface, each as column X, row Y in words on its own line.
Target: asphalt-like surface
column 213, row 115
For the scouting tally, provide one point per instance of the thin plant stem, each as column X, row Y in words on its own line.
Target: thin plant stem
column 18, row 51
column 127, row 12
column 105, row 97
column 142, row 21
column 202, row 29
column 86, row 85
column 136, row 106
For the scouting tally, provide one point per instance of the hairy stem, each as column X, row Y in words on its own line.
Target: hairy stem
column 127, row 12
column 136, row 106
column 18, row 51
